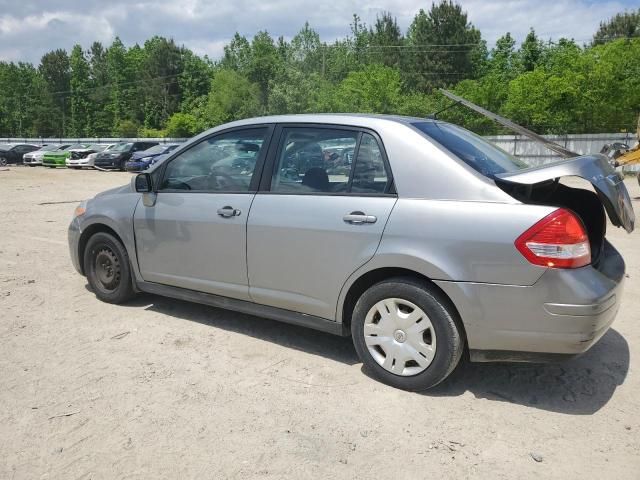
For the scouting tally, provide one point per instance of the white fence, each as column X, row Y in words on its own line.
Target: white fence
column 535, row 153
column 41, row 141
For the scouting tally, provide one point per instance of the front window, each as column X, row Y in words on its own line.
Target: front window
column 472, row 149
column 223, row 163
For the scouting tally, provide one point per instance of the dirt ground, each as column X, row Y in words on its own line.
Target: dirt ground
column 165, row 389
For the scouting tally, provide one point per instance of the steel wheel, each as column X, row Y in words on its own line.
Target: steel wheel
column 399, row 336
column 107, row 268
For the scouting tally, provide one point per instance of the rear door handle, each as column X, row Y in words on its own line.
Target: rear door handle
column 357, row 218
column 228, row 212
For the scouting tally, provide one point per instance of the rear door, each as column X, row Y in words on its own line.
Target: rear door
column 194, row 236
column 319, row 215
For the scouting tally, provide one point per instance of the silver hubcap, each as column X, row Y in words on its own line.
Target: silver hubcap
column 400, row 336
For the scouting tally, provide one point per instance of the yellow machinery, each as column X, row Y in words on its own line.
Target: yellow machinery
column 622, row 154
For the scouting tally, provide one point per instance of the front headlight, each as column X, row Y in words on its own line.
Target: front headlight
column 80, row 209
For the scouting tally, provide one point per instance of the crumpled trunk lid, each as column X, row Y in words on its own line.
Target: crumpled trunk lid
column 596, row 169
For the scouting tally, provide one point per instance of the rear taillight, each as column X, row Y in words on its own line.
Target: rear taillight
column 559, row 240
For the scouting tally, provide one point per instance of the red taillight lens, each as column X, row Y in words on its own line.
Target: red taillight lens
column 559, row 240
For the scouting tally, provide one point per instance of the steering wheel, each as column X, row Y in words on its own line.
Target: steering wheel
column 229, row 181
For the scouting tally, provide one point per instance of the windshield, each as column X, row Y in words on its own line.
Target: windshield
column 49, row 148
column 77, row 146
column 474, row 150
column 155, row 150
column 5, row 146
column 96, row 147
column 121, row 147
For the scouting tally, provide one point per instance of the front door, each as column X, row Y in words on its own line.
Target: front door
column 194, row 236
column 329, row 195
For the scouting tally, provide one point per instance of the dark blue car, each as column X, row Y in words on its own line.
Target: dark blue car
column 142, row 160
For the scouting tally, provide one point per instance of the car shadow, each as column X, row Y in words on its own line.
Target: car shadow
column 580, row 386
column 290, row 336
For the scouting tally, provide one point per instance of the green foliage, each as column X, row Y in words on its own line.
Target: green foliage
column 375, row 89
column 160, row 88
column 126, row 129
column 232, row 96
column 181, row 125
column 444, row 47
column 151, row 133
column 623, row 25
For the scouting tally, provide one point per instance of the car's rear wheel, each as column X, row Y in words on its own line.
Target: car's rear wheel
column 108, row 270
column 3, row 162
column 407, row 334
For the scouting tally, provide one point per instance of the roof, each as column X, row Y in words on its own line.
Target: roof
column 369, row 120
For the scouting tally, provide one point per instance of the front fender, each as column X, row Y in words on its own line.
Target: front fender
column 116, row 213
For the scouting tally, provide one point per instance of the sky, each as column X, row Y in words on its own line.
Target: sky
column 30, row 28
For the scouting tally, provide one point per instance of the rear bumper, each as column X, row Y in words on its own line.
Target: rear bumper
column 564, row 313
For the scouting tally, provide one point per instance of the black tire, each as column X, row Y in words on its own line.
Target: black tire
column 443, row 317
column 3, row 162
column 106, row 264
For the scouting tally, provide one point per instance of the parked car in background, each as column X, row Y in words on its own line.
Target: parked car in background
column 142, row 160
column 35, row 158
column 117, row 157
column 91, row 158
column 78, row 157
column 343, row 223
column 13, row 152
column 58, row 158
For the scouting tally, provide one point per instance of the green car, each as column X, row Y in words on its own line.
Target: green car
column 58, row 158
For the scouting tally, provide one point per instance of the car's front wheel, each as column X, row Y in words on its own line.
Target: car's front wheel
column 108, row 270
column 3, row 162
column 407, row 334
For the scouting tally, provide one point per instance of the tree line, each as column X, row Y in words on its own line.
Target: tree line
column 163, row 89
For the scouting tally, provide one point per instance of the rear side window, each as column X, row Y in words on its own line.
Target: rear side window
column 315, row 160
column 472, row 149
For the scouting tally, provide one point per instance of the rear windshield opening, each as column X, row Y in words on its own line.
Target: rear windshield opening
column 472, row 149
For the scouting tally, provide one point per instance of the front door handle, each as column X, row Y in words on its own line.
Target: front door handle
column 228, row 212
column 357, row 218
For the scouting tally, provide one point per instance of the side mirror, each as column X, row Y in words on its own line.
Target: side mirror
column 144, row 183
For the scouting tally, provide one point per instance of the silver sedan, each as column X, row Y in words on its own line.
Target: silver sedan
column 416, row 237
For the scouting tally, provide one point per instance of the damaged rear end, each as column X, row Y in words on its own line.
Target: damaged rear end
column 543, row 186
column 581, row 275
column 578, row 295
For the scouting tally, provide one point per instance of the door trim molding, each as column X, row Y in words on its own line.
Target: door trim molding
column 242, row 306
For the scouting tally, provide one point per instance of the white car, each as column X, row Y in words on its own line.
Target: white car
column 35, row 158
column 84, row 157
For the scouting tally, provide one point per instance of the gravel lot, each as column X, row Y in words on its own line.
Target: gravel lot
column 165, row 389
